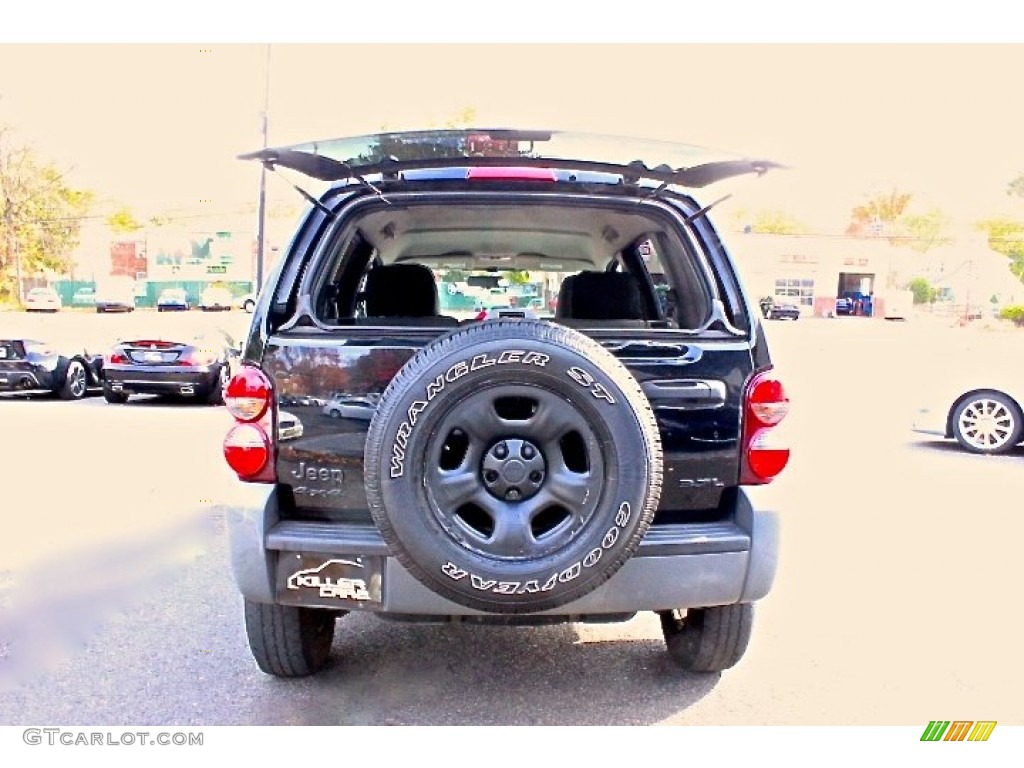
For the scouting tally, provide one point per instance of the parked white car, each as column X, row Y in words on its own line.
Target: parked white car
column 42, row 300
column 288, row 426
column 361, row 408
column 981, row 406
column 216, row 298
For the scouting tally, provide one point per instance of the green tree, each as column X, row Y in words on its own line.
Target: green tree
column 464, row 118
column 882, row 209
column 770, row 222
column 454, row 276
column 924, row 292
column 122, row 222
column 1006, row 236
column 517, row 277
column 922, row 232
column 1016, row 187
column 40, row 215
column 889, row 215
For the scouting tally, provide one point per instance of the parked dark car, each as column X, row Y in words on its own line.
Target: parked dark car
column 195, row 367
column 115, row 294
column 30, row 367
column 783, row 311
column 173, row 300
column 515, row 470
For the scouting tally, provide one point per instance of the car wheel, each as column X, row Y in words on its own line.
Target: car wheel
column 708, row 639
column 335, row 413
column 988, row 423
column 216, row 395
column 76, row 382
column 288, row 641
column 116, row 398
column 531, row 456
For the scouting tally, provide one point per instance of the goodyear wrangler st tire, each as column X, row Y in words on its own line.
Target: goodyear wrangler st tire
column 513, row 467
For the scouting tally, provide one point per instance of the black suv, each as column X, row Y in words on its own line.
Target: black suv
column 580, row 461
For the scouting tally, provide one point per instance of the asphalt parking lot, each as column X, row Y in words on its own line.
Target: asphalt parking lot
column 894, row 604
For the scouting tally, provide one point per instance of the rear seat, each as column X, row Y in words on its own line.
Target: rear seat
column 602, row 299
column 402, row 294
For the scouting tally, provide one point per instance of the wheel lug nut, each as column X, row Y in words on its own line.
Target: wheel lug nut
column 535, row 476
column 528, row 452
column 513, row 494
column 490, row 476
column 501, row 450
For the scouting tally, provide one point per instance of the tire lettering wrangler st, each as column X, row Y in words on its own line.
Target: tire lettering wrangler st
column 435, row 387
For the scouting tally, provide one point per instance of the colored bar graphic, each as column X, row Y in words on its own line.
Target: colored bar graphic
column 958, row 730
column 982, row 730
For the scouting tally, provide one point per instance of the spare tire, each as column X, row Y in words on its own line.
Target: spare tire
column 513, row 467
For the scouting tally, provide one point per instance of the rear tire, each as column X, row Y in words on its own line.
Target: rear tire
column 287, row 641
column 988, row 423
column 76, row 382
column 708, row 639
column 216, row 395
column 115, row 398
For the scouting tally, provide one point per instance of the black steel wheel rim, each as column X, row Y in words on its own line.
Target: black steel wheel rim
column 514, row 472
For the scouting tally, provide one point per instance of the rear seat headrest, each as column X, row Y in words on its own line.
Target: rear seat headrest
column 401, row 290
column 601, row 296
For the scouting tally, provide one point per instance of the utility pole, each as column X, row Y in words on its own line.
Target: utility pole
column 262, row 213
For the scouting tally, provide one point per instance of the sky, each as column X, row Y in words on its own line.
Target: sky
column 158, row 127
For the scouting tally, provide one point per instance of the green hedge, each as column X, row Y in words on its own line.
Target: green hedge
column 1014, row 314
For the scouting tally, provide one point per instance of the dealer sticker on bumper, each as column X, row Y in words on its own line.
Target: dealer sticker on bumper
column 327, row 580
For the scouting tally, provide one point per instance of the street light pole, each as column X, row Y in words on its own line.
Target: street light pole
column 262, row 213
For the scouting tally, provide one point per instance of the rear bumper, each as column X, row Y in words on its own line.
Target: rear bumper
column 677, row 566
column 140, row 380
column 930, row 421
column 25, row 379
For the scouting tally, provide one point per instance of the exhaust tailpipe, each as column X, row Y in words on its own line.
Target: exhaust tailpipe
column 187, row 389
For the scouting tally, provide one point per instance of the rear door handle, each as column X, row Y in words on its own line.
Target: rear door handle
column 685, row 394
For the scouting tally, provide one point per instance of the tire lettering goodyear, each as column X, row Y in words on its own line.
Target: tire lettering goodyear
column 566, row 575
column 435, row 387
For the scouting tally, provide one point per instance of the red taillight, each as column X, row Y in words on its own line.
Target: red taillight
column 117, row 357
column 764, row 405
column 504, row 173
column 248, row 394
column 247, row 448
